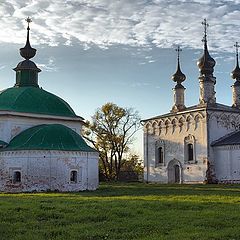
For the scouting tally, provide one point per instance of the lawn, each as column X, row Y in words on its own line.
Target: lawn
column 124, row 211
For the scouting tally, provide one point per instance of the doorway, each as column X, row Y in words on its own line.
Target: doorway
column 176, row 174
column 174, row 171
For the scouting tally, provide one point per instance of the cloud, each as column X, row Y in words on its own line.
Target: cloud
column 155, row 23
column 2, row 67
column 49, row 66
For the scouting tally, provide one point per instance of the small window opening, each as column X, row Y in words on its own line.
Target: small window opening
column 160, row 155
column 16, row 177
column 73, row 176
column 190, row 152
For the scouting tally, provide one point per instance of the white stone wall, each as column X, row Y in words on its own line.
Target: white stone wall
column 173, row 130
column 48, row 170
column 12, row 125
column 227, row 163
column 220, row 123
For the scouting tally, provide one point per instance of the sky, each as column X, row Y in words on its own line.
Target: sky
column 123, row 51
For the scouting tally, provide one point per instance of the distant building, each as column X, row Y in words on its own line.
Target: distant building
column 41, row 147
column 200, row 143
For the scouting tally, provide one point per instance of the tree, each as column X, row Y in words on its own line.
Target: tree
column 111, row 132
column 132, row 168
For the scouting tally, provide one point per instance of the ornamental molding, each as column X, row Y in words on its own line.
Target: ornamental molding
column 228, row 147
column 226, row 120
column 189, row 139
column 171, row 124
column 45, row 153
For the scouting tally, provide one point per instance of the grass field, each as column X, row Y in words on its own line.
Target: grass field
column 124, row 211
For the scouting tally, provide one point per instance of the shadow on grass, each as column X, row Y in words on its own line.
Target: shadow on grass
column 144, row 189
column 117, row 189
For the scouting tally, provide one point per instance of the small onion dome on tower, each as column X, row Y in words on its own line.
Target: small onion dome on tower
column 178, row 76
column 236, row 72
column 27, row 71
column 178, row 90
column 27, row 51
column 206, row 63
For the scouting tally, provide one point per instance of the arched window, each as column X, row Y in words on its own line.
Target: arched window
column 190, row 152
column 16, row 177
column 160, row 155
column 189, row 149
column 73, row 176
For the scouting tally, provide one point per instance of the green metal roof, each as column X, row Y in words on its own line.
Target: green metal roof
column 2, row 143
column 34, row 100
column 48, row 137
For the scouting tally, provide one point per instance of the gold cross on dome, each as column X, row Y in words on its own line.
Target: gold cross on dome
column 28, row 20
column 205, row 25
column 178, row 49
column 236, row 45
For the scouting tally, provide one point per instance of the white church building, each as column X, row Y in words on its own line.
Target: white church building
column 200, row 143
column 41, row 147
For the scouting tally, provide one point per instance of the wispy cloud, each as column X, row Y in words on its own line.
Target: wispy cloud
column 49, row 66
column 136, row 23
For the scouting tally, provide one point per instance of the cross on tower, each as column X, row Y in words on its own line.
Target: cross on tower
column 236, row 46
column 205, row 25
column 28, row 20
column 178, row 49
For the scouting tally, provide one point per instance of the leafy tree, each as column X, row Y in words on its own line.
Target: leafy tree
column 132, row 165
column 111, row 132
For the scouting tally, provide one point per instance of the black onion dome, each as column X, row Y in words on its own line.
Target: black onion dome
column 27, row 51
column 236, row 72
column 206, row 63
column 178, row 76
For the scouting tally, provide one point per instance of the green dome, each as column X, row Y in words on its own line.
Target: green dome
column 2, row 143
column 48, row 137
column 34, row 100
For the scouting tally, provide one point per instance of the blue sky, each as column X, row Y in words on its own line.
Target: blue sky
column 97, row 51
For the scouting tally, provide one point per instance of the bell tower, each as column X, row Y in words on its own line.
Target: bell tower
column 206, row 68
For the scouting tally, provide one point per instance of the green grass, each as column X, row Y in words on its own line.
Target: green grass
column 124, row 211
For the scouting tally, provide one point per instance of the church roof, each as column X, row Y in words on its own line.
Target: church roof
column 229, row 139
column 34, row 100
column 2, row 143
column 215, row 107
column 48, row 137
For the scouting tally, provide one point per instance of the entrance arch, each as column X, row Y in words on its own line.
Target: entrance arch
column 174, row 171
